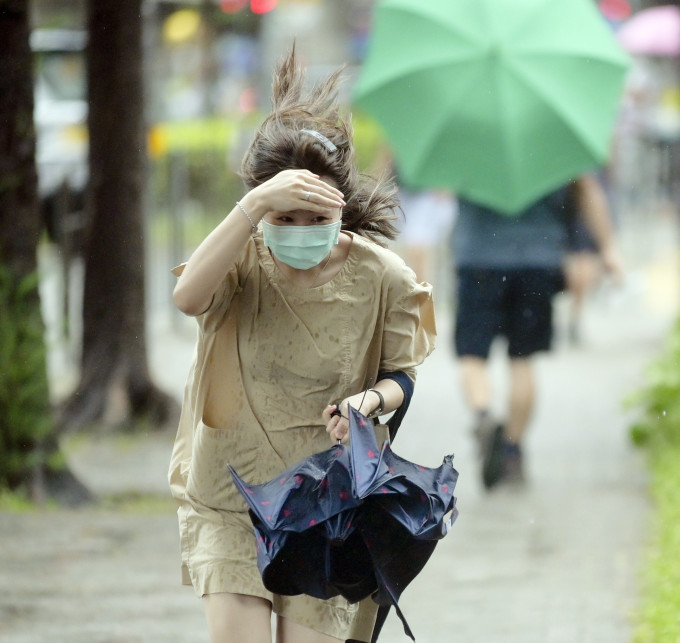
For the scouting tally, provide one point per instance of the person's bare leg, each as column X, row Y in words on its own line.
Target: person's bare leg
column 581, row 270
column 477, row 393
column 418, row 259
column 476, row 383
column 289, row 632
column 521, row 398
column 236, row 618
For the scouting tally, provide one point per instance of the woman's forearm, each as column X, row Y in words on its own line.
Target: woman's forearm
column 367, row 402
column 214, row 257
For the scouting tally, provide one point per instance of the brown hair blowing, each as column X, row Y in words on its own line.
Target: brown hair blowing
column 279, row 145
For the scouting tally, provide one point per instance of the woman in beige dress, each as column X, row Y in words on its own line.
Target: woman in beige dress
column 300, row 311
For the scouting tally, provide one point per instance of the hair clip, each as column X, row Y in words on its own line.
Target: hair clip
column 327, row 143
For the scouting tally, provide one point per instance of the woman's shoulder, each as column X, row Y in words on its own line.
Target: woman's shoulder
column 372, row 251
column 372, row 257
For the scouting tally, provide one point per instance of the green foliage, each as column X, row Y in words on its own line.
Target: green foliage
column 659, row 615
column 135, row 502
column 14, row 502
column 659, row 400
column 658, row 431
column 25, row 417
column 369, row 140
column 195, row 166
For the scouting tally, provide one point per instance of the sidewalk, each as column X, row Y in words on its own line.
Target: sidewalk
column 555, row 563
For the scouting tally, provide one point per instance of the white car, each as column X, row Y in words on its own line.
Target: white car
column 60, row 116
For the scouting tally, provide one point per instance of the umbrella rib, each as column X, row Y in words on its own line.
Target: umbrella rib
column 403, row 73
column 435, row 124
column 459, row 31
column 613, row 58
column 459, row 28
column 562, row 112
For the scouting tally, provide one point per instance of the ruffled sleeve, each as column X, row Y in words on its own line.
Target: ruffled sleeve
column 211, row 320
column 410, row 331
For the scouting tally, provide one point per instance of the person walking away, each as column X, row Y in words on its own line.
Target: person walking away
column 508, row 269
column 582, row 266
column 428, row 217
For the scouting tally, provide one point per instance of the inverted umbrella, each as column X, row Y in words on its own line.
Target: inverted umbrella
column 499, row 100
column 354, row 521
column 652, row 32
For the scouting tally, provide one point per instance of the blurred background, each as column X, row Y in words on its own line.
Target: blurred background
column 207, row 73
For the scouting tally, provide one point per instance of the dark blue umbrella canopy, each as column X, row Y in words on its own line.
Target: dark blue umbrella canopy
column 353, row 521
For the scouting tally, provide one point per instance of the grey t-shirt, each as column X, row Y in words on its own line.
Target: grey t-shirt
column 537, row 238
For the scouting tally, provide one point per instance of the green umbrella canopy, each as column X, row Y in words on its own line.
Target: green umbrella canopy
column 498, row 100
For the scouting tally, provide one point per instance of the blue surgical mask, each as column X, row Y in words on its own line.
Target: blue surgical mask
column 301, row 246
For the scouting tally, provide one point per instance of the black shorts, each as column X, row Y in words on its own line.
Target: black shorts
column 516, row 304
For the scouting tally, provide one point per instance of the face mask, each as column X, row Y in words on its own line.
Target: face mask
column 299, row 246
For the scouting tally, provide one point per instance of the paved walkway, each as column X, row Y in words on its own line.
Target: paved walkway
column 555, row 563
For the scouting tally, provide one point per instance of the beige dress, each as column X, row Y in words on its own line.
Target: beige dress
column 269, row 357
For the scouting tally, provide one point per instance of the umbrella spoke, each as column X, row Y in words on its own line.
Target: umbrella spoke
column 440, row 51
column 542, row 79
column 355, row 540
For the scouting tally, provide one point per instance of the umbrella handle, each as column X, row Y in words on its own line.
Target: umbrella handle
column 337, row 412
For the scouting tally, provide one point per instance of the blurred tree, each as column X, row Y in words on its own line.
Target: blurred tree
column 29, row 451
column 114, row 378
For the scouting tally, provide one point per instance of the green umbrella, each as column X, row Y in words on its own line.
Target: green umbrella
column 498, row 100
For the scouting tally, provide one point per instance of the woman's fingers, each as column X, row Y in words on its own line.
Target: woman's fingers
column 325, row 190
column 320, row 195
column 337, row 427
column 300, row 190
column 342, row 432
column 313, row 190
column 327, row 413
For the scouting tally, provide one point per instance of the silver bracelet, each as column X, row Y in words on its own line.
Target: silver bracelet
column 252, row 224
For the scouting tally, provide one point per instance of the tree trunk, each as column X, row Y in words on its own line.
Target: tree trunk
column 114, row 366
column 29, row 452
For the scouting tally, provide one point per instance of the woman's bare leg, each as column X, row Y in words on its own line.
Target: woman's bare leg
column 236, row 618
column 289, row 632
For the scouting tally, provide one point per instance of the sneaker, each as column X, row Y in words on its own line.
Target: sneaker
column 513, row 470
column 493, row 458
column 483, row 431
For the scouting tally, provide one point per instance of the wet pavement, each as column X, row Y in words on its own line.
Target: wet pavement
column 555, row 562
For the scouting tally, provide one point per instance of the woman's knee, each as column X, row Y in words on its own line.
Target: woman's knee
column 237, row 618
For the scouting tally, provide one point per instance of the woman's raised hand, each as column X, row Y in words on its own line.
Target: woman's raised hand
column 294, row 190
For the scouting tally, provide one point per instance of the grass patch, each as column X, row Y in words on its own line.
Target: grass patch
column 121, row 439
column 14, row 502
column 658, row 432
column 659, row 616
column 134, row 502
